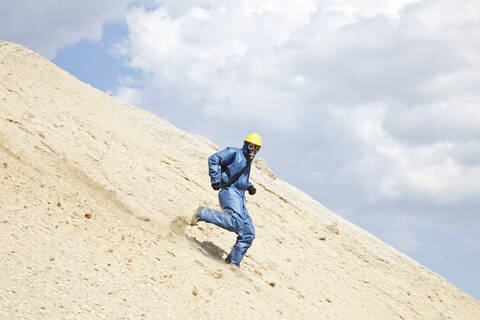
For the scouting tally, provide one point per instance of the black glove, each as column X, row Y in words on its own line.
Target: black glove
column 216, row 186
column 252, row 190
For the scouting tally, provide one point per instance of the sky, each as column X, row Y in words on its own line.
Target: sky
column 371, row 107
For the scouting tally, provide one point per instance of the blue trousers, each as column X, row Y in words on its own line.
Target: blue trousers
column 235, row 219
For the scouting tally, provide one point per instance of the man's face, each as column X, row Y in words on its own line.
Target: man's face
column 252, row 150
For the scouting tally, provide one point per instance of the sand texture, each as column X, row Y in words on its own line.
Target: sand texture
column 95, row 195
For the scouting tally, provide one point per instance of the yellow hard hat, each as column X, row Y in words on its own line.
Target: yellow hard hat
column 254, row 138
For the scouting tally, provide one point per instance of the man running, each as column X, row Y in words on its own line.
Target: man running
column 229, row 172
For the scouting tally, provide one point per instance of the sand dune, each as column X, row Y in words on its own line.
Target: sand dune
column 95, row 195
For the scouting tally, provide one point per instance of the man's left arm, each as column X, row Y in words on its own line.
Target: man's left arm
column 251, row 189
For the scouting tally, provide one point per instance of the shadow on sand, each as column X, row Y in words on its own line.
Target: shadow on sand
column 208, row 248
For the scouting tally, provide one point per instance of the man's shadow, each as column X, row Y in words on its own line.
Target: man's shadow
column 208, row 248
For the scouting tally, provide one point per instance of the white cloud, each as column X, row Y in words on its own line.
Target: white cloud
column 368, row 8
column 129, row 95
column 391, row 168
column 47, row 25
column 218, row 60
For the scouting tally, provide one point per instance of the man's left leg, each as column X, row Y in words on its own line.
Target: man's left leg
column 244, row 241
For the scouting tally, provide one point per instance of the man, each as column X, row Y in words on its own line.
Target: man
column 229, row 171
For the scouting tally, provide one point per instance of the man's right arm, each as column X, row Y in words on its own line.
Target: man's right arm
column 215, row 162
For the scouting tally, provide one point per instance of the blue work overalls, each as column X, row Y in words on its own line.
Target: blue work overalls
column 222, row 166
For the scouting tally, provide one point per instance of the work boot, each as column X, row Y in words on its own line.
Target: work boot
column 229, row 261
column 195, row 216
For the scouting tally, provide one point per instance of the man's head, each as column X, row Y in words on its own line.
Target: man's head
column 253, row 143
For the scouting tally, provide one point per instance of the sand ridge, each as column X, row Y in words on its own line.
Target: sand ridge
column 96, row 195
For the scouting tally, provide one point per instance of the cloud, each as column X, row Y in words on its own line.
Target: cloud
column 214, row 67
column 379, row 98
column 47, row 25
column 131, row 95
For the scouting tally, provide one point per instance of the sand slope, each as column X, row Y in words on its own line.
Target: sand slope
column 94, row 198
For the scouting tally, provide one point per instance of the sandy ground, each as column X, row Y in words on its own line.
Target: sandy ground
column 95, row 195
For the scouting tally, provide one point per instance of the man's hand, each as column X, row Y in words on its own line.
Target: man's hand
column 216, row 186
column 252, row 190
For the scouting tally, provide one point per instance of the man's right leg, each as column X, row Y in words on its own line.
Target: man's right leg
column 231, row 203
column 225, row 221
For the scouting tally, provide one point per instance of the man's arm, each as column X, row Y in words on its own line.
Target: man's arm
column 217, row 160
column 251, row 189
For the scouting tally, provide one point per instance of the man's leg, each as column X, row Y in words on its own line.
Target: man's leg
column 232, row 204
column 236, row 220
column 244, row 241
column 225, row 221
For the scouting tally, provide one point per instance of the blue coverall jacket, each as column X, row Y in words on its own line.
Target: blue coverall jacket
column 222, row 166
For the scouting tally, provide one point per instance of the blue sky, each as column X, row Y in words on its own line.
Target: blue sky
column 86, row 57
column 371, row 107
